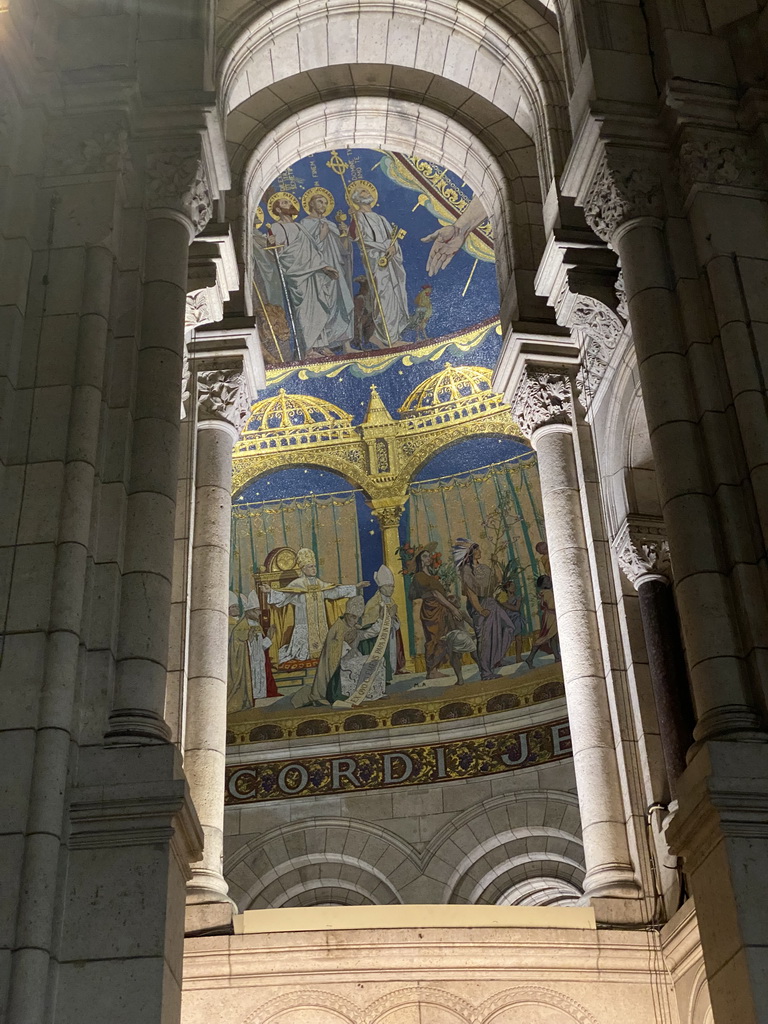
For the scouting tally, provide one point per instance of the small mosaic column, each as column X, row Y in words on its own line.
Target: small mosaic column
column 643, row 554
column 221, row 408
column 543, row 407
column 389, row 516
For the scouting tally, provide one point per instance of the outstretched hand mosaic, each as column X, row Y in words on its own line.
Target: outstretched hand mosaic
column 389, row 562
column 364, row 250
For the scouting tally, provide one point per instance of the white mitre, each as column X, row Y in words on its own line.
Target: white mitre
column 384, row 577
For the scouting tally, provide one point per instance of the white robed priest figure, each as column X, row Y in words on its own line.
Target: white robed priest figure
column 315, row 605
column 383, row 600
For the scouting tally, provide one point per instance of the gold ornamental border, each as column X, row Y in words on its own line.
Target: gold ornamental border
column 472, row 700
column 416, row 765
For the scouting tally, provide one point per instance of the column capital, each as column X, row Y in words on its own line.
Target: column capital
column 390, row 513
column 178, row 182
column 642, row 550
column 222, row 398
column 626, row 186
column 543, row 398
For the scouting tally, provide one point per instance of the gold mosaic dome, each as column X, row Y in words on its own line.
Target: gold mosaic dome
column 286, row 412
column 454, row 385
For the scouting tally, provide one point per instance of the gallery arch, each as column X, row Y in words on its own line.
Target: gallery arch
column 463, row 303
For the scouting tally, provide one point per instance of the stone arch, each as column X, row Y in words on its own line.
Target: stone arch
column 499, row 162
column 700, row 1006
column 344, row 1009
column 488, row 850
column 532, row 994
column 505, row 55
column 423, row 995
column 355, row 856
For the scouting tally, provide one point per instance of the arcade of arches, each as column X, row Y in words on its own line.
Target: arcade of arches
column 384, row 511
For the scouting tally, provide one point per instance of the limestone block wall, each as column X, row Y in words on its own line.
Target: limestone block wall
column 427, row 965
column 510, row 838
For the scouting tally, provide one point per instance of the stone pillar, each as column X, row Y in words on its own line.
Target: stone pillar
column 624, row 207
column 543, row 406
column 643, row 554
column 719, row 828
column 179, row 206
column 389, row 516
column 222, row 405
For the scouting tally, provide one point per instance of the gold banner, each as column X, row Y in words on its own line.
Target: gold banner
column 407, row 766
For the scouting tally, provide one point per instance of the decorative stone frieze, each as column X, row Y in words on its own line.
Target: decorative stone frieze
column 222, row 395
column 543, row 398
column 599, row 329
column 625, row 188
column 642, row 550
column 621, row 295
column 717, row 159
column 87, row 148
column 177, row 180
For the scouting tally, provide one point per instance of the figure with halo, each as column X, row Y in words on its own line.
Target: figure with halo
column 382, row 256
column 311, row 282
column 335, row 250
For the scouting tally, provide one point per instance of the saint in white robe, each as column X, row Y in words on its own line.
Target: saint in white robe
column 314, row 296
column 339, row 327
column 308, row 595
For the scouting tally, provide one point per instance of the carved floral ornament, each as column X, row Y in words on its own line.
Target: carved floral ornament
column 543, row 398
column 625, row 188
column 718, row 159
column 642, row 550
column 221, row 395
column 600, row 330
column 176, row 180
column 85, row 147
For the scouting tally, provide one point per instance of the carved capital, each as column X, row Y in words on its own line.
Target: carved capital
column 543, row 398
column 642, row 550
column 626, row 187
column 719, row 159
column 177, row 180
column 87, row 146
column 599, row 330
column 621, row 297
column 222, row 396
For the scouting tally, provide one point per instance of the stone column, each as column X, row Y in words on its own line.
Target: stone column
column 389, row 515
column 643, row 554
column 624, row 207
column 179, row 206
column 222, row 405
column 543, row 406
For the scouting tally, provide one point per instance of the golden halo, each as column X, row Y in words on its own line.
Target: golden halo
column 282, row 195
column 362, row 183
column 258, row 218
column 318, row 190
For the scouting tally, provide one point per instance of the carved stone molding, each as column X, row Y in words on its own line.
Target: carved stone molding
column 717, row 159
column 85, row 147
column 599, row 329
column 222, row 395
column 625, row 188
column 204, row 306
column 543, row 398
column 176, row 180
column 642, row 550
